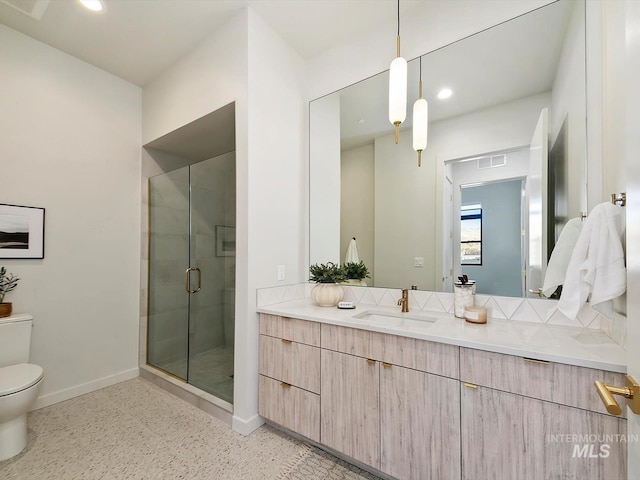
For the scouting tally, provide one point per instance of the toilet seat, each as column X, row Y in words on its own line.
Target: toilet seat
column 16, row 378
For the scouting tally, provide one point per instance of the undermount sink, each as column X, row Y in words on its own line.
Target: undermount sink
column 396, row 319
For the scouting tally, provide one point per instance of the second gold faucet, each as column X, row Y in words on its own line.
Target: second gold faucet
column 404, row 301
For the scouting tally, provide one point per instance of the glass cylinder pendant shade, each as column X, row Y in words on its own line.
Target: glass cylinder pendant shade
column 420, row 124
column 398, row 91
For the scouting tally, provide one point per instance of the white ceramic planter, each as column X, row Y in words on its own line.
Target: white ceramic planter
column 355, row 283
column 327, row 294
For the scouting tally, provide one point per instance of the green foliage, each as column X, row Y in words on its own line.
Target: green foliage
column 356, row 271
column 7, row 283
column 326, row 273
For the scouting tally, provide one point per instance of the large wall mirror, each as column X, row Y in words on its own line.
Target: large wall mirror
column 503, row 171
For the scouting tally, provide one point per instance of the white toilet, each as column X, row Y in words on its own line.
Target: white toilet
column 20, row 383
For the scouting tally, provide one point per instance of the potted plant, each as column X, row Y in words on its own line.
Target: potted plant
column 356, row 273
column 7, row 284
column 327, row 292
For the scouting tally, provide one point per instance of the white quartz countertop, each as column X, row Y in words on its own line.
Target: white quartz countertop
column 570, row 345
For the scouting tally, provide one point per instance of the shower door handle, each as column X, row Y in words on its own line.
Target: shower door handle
column 187, row 278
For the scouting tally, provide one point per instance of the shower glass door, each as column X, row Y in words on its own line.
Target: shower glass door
column 192, row 274
column 168, row 338
column 213, row 252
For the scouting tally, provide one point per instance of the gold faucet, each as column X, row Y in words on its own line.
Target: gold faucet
column 404, row 301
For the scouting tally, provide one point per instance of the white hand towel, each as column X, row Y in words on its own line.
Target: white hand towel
column 597, row 264
column 560, row 256
column 352, row 253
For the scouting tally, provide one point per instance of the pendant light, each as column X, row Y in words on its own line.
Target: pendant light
column 398, row 87
column 420, row 121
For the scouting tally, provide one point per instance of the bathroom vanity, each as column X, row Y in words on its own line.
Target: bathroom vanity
column 438, row 398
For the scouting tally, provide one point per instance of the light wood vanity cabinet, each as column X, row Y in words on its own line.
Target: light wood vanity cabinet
column 419, row 424
column 350, row 406
column 555, row 382
column 416, row 409
column 289, row 367
column 519, row 417
column 402, row 421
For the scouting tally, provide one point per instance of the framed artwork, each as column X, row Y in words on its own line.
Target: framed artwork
column 225, row 241
column 21, row 232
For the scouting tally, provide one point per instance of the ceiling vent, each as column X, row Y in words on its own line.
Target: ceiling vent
column 494, row 161
column 32, row 8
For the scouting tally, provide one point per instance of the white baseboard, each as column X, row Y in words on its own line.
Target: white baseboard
column 245, row 427
column 76, row 391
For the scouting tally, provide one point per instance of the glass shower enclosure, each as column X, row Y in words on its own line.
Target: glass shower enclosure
column 192, row 274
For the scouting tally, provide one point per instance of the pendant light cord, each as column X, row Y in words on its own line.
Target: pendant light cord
column 420, row 82
column 398, row 17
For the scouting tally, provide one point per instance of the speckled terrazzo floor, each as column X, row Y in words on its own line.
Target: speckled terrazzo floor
column 135, row 430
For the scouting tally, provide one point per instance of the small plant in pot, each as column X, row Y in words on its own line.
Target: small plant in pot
column 327, row 292
column 8, row 282
column 356, row 273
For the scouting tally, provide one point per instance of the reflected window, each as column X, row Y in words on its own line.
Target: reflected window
column 471, row 235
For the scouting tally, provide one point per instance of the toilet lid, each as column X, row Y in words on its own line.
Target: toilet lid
column 18, row 377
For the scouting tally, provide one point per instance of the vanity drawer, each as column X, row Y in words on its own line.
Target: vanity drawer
column 346, row 340
column 289, row 406
column 301, row 331
column 555, row 382
column 291, row 362
column 422, row 355
column 430, row 357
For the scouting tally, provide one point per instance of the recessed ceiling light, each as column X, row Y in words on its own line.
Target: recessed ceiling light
column 444, row 93
column 93, row 5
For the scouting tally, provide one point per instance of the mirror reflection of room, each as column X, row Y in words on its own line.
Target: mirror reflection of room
column 515, row 108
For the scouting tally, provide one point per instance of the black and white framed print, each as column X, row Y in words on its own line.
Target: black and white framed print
column 21, row 232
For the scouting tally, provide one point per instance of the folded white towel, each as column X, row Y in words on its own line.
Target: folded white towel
column 560, row 256
column 597, row 267
column 352, row 253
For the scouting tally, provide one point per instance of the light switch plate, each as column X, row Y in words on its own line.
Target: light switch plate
column 281, row 272
column 418, row 261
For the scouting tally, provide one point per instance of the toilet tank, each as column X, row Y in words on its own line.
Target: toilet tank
column 15, row 339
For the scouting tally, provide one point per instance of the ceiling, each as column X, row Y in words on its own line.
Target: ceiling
column 516, row 59
column 139, row 39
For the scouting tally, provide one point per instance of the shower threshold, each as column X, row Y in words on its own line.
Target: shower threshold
column 197, row 397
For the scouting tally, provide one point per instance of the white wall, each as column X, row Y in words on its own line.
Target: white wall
column 568, row 100
column 71, row 143
column 615, row 64
column 324, row 180
column 275, row 182
column 404, row 215
column 357, row 204
column 498, row 128
column 248, row 63
column 631, row 53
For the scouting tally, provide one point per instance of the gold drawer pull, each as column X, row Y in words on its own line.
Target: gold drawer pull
column 284, row 340
column 631, row 392
column 534, row 360
column 370, row 361
column 285, row 385
column 385, row 364
column 471, row 385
